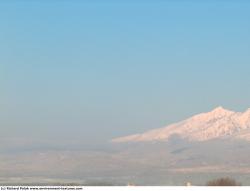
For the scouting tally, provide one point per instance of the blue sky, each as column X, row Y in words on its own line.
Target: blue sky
column 93, row 70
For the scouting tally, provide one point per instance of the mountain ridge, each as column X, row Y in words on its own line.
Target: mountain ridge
column 218, row 123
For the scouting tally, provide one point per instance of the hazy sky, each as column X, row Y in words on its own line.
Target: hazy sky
column 88, row 71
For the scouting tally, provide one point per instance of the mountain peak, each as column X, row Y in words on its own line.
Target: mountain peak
column 221, row 111
column 219, row 108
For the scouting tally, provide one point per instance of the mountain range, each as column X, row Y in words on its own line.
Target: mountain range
column 202, row 147
column 216, row 124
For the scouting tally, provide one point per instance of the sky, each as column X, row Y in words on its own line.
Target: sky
column 84, row 72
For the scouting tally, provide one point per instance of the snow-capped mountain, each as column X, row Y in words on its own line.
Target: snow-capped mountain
column 218, row 123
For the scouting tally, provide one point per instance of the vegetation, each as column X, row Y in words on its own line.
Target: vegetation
column 223, row 182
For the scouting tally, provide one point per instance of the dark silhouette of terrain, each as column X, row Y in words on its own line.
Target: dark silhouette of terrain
column 223, row 182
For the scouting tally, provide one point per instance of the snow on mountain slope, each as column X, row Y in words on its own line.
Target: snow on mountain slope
column 218, row 123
